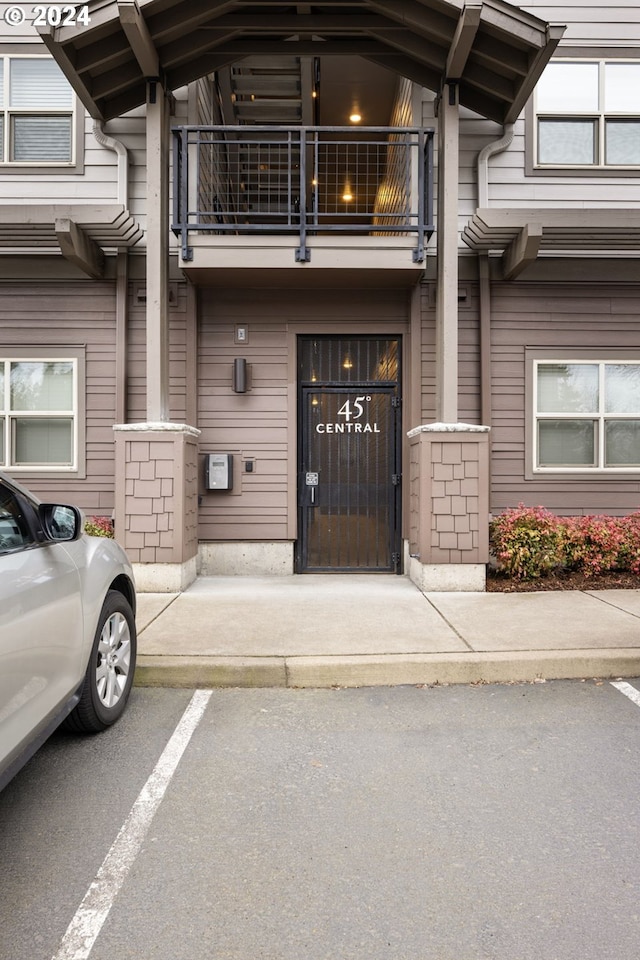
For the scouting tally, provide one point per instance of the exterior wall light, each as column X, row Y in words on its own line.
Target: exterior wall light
column 239, row 375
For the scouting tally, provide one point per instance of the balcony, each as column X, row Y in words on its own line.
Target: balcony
column 323, row 196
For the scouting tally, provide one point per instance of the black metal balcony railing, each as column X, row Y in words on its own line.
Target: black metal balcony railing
column 306, row 181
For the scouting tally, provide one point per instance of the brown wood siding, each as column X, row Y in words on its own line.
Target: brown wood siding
column 71, row 314
column 257, row 425
column 553, row 317
column 469, row 357
column 136, row 354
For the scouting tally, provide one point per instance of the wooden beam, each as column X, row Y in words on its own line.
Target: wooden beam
column 412, row 15
column 522, row 251
column 538, row 63
column 432, row 55
column 447, row 261
column 139, row 38
column 78, row 248
column 157, row 262
column 463, row 40
column 66, row 62
column 292, row 23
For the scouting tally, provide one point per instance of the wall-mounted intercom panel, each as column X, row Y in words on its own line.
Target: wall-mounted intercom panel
column 218, row 471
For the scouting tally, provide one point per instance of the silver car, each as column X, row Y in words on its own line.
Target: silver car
column 67, row 626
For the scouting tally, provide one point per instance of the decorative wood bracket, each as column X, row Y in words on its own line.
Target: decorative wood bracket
column 522, row 251
column 80, row 249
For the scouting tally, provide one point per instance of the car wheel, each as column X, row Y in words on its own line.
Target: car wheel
column 109, row 675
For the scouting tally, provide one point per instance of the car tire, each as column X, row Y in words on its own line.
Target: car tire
column 109, row 675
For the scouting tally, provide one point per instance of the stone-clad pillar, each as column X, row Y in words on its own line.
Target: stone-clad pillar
column 156, row 502
column 449, row 506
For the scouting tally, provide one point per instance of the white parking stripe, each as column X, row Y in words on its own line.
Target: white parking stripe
column 628, row 690
column 83, row 930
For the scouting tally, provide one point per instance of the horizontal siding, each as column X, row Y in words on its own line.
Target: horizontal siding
column 97, row 183
column 593, row 23
column 563, row 316
column 590, row 25
column 73, row 314
column 257, row 425
column 137, row 357
column 468, row 362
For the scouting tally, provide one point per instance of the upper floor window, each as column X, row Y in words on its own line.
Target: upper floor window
column 588, row 114
column 587, row 416
column 39, row 414
column 36, row 112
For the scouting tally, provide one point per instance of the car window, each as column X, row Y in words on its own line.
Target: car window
column 14, row 529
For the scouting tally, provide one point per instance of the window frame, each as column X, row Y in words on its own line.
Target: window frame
column 598, row 171
column 39, row 167
column 533, row 359
column 47, row 354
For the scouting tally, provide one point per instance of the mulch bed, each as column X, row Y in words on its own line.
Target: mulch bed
column 614, row 580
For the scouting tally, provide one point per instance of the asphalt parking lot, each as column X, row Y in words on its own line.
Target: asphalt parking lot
column 431, row 823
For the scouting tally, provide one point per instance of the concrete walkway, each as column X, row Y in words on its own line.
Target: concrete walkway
column 341, row 630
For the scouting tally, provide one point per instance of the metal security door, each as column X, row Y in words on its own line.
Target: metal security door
column 349, row 480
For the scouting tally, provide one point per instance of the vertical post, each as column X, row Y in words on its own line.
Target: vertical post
column 486, row 415
column 122, row 316
column 302, row 254
column 447, row 274
column 421, row 164
column 157, row 253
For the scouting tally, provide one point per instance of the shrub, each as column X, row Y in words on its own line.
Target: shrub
column 531, row 542
column 527, row 542
column 593, row 544
column 629, row 556
column 99, row 527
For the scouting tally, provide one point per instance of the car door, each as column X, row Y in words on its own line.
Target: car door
column 41, row 624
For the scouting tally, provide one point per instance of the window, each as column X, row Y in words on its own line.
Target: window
column 39, row 414
column 14, row 528
column 36, row 112
column 587, row 416
column 588, row 114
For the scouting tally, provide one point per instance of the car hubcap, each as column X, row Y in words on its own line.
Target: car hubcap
column 114, row 659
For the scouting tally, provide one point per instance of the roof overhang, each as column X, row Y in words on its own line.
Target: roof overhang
column 519, row 235
column 80, row 231
column 493, row 50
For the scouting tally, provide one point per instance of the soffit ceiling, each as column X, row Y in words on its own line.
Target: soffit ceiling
column 493, row 49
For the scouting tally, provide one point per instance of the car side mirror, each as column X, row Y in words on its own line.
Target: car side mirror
column 60, row 522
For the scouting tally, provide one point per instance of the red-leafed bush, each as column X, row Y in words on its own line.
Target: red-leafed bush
column 99, row 527
column 532, row 542
column 526, row 542
column 593, row 544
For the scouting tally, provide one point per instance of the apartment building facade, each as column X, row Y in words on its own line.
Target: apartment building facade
column 320, row 287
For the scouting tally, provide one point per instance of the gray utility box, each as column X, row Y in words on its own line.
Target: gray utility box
column 218, row 471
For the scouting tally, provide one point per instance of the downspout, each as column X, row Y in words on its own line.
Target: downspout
column 491, row 149
column 123, row 160
column 122, row 274
column 498, row 146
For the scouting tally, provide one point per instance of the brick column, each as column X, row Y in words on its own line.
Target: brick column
column 156, row 502
column 449, row 506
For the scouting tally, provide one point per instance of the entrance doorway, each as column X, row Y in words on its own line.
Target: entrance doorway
column 349, row 455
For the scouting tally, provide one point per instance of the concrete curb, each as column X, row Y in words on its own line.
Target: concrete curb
column 387, row 670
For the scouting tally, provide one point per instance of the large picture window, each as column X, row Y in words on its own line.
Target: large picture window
column 39, row 413
column 36, row 112
column 587, row 416
column 588, row 114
